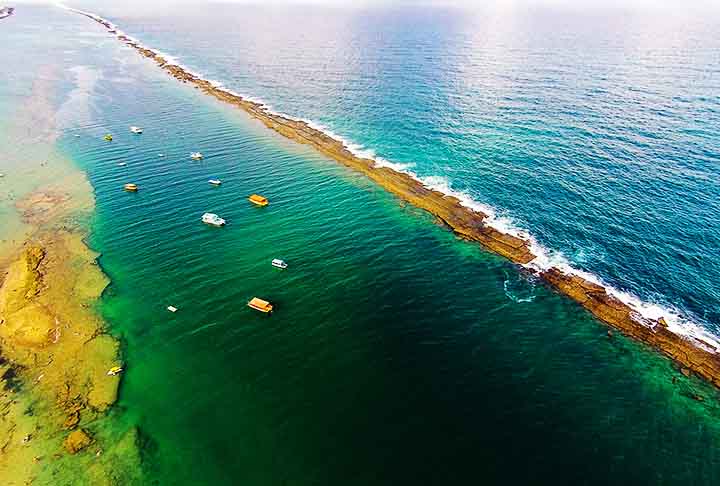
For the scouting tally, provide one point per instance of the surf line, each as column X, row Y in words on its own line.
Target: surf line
column 692, row 353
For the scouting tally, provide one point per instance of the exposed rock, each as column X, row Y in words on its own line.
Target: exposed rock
column 23, row 281
column 56, row 347
column 72, row 420
column 691, row 354
column 77, row 441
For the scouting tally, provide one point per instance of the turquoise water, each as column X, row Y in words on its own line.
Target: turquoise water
column 595, row 132
column 397, row 354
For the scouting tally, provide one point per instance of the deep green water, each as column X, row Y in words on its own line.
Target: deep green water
column 397, row 354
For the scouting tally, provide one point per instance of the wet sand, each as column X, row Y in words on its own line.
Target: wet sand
column 692, row 354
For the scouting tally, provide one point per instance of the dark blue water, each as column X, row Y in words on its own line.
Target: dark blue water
column 596, row 132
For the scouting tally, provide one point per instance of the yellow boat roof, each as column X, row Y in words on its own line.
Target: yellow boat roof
column 259, row 302
column 258, row 197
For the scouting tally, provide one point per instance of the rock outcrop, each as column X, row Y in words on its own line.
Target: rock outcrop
column 77, row 441
column 693, row 354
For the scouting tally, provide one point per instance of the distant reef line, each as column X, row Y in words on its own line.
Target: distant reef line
column 691, row 353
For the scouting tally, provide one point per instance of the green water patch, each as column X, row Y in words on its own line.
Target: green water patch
column 397, row 353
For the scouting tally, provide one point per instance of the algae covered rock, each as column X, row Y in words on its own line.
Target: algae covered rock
column 77, row 441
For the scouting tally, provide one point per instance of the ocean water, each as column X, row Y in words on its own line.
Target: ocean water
column 397, row 354
column 593, row 132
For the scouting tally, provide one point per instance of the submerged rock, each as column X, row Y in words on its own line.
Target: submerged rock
column 52, row 339
column 77, row 441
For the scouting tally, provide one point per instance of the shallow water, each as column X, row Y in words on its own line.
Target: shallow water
column 37, row 95
column 397, row 354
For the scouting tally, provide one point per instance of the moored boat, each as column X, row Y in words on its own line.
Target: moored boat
column 196, row 156
column 279, row 263
column 130, row 187
column 213, row 219
column 260, row 305
column 6, row 12
column 115, row 370
column 137, row 130
column 108, row 137
column 259, row 200
column 215, row 182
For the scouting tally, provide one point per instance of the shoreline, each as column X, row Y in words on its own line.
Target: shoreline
column 692, row 353
column 55, row 347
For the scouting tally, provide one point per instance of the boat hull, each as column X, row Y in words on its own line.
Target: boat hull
column 265, row 310
column 260, row 305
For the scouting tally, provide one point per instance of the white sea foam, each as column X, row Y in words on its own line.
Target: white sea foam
column 677, row 322
column 396, row 166
column 544, row 258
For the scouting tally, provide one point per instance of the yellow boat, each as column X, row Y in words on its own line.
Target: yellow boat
column 115, row 370
column 261, row 305
column 131, row 187
column 258, row 199
column 108, row 137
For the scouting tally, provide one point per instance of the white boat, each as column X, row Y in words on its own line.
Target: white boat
column 213, row 219
column 215, row 182
column 279, row 263
column 137, row 130
column 172, row 308
column 196, row 156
